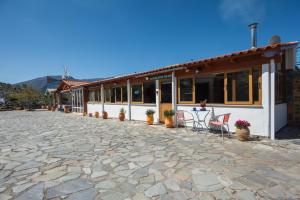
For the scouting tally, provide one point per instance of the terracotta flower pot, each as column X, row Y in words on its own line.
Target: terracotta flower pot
column 121, row 116
column 242, row 134
column 97, row 114
column 84, row 114
column 104, row 115
column 49, row 108
column 150, row 119
column 169, row 122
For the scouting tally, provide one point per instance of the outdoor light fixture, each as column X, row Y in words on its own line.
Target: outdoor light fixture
column 147, row 78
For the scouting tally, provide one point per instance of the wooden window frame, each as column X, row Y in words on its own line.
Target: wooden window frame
column 226, row 102
column 193, row 90
column 250, row 88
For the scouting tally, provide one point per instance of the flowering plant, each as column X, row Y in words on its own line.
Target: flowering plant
column 240, row 124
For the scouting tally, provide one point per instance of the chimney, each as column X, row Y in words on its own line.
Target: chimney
column 253, row 28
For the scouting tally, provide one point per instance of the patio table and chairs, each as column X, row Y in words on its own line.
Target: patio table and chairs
column 200, row 122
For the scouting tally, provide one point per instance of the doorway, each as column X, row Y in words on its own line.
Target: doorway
column 165, row 98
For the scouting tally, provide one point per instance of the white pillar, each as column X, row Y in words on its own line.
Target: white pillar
column 72, row 96
column 272, row 98
column 157, row 100
column 266, row 98
column 129, row 99
column 102, row 97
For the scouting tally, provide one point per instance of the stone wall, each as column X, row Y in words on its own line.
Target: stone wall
column 293, row 97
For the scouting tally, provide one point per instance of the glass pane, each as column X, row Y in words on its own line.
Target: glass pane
column 238, row 86
column 113, row 95
column 186, row 89
column 118, row 94
column 166, row 92
column 91, row 96
column 124, row 94
column 107, row 95
column 137, row 93
column 255, row 77
column 149, row 92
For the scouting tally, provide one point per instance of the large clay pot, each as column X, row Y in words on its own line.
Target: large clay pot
column 242, row 134
column 150, row 119
column 121, row 116
column 104, row 115
column 49, row 108
column 169, row 122
column 97, row 114
column 84, row 114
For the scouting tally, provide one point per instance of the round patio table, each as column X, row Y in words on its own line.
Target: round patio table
column 201, row 116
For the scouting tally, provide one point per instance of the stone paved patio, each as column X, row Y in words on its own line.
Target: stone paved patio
column 51, row 155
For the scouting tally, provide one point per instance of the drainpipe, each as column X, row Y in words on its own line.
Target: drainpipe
column 129, row 99
column 157, row 100
column 174, row 107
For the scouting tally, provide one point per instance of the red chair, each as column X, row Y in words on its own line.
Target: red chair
column 184, row 117
column 222, row 123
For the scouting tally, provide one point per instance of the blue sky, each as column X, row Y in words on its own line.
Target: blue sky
column 101, row 38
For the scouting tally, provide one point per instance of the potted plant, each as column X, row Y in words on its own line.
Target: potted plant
column 203, row 105
column 150, row 118
column 122, row 114
column 169, row 118
column 104, row 115
column 242, row 129
column 97, row 114
column 84, row 114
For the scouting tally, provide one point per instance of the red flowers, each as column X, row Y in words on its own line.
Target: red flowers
column 240, row 124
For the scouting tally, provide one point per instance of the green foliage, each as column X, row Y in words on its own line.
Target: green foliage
column 150, row 112
column 21, row 96
column 122, row 110
column 169, row 113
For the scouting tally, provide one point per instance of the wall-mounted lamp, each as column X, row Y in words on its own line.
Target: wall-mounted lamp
column 147, row 78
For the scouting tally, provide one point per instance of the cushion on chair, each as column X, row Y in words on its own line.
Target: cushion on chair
column 216, row 123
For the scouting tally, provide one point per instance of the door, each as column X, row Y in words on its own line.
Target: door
column 165, row 98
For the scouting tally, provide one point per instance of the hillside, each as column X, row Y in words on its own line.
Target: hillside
column 42, row 83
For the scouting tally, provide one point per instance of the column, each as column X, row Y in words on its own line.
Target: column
column 174, row 95
column 72, row 96
column 129, row 99
column 266, row 98
column 272, row 98
column 157, row 100
column 102, row 97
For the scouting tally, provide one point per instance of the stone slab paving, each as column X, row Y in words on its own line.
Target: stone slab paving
column 52, row 155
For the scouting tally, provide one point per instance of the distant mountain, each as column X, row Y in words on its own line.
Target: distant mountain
column 42, row 83
column 50, row 82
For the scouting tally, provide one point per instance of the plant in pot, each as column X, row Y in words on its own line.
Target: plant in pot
column 104, row 115
column 122, row 114
column 169, row 118
column 242, row 130
column 150, row 118
column 84, row 114
column 203, row 105
column 97, row 114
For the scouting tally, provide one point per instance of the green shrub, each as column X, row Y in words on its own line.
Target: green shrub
column 150, row 112
column 169, row 113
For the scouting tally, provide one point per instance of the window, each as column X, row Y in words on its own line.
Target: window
column 118, row 94
column 256, row 76
column 149, row 92
column 210, row 88
column 238, row 87
column 107, row 94
column 91, row 95
column 113, row 95
column 136, row 93
column 124, row 94
column 186, row 90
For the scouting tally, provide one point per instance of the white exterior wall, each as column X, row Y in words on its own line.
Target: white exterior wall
column 280, row 116
column 138, row 112
column 94, row 107
column 113, row 110
column 251, row 114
